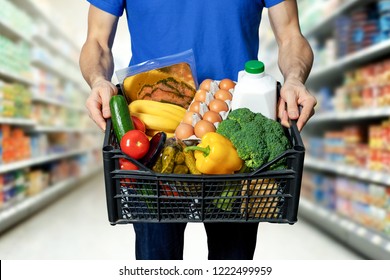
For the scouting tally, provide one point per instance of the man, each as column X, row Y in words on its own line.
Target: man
column 223, row 35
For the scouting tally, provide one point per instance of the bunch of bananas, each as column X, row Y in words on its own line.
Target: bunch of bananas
column 157, row 116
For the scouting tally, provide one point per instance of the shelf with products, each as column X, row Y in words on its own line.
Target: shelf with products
column 349, row 206
column 58, row 102
column 24, row 147
column 358, row 150
column 11, row 77
column 17, row 121
column 7, row 167
column 32, row 38
column 358, row 36
column 54, row 47
column 347, row 170
column 25, row 207
column 368, row 242
column 50, row 28
column 366, row 113
column 9, row 31
column 336, row 68
column 311, row 26
column 46, row 136
column 347, row 140
column 327, row 11
column 57, row 66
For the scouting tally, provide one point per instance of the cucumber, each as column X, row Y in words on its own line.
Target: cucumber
column 120, row 116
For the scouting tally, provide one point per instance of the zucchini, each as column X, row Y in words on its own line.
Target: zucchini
column 120, row 116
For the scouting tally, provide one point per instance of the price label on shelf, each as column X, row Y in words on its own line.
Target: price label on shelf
column 361, row 231
column 378, row 177
column 376, row 239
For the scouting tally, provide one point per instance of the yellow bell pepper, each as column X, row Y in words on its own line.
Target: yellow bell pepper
column 215, row 154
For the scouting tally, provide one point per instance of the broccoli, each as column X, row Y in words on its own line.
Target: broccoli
column 257, row 139
column 228, row 127
column 242, row 115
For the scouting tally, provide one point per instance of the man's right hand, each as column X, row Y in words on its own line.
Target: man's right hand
column 98, row 102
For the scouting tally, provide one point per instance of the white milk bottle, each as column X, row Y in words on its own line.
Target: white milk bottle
column 255, row 90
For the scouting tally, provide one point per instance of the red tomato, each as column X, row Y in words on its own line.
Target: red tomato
column 125, row 164
column 135, row 144
column 138, row 124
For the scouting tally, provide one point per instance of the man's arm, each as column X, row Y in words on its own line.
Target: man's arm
column 295, row 62
column 96, row 63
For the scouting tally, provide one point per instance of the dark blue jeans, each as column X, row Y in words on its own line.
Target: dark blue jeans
column 165, row 241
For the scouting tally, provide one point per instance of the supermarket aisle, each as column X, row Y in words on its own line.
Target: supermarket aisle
column 76, row 227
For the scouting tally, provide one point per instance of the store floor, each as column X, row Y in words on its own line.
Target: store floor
column 76, row 227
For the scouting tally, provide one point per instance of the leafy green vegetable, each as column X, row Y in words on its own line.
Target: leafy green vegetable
column 258, row 140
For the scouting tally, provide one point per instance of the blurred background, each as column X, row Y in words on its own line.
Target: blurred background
column 52, row 200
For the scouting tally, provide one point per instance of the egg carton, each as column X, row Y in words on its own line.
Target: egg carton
column 204, row 108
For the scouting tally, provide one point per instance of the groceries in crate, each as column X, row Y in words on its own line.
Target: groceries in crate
column 215, row 154
column 120, row 116
column 157, row 116
column 135, row 144
column 258, row 139
column 175, row 159
column 211, row 105
column 250, row 135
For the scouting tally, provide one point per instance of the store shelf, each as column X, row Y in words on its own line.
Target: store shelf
column 28, row 206
column 33, row 8
column 42, row 159
column 11, row 77
column 51, row 129
column 59, row 103
column 347, row 170
column 336, row 69
column 371, row 244
column 11, row 32
column 367, row 113
column 46, row 42
column 325, row 24
column 53, row 69
column 16, row 121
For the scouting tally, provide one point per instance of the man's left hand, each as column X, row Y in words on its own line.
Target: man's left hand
column 295, row 103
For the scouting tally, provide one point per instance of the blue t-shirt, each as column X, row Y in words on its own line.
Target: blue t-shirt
column 222, row 33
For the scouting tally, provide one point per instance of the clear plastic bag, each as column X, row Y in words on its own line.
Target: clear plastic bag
column 170, row 79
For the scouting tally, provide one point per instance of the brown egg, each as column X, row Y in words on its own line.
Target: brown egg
column 217, row 105
column 183, row 131
column 205, row 85
column 226, row 84
column 195, row 107
column 212, row 117
column 202, row 127
column 189, row 116
column 223, row 95
column 200, row 95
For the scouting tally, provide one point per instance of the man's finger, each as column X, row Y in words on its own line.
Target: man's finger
column 94, row 109
column 292, row 107
column 306, row 113
column 281, row 108
column 105, row 94
column 284, row 119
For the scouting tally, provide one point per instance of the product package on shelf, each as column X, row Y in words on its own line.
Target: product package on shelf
column 15, row 101
column 365, row 203
column 364, row 147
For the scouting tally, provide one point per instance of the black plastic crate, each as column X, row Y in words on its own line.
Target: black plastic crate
column 260, row 196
